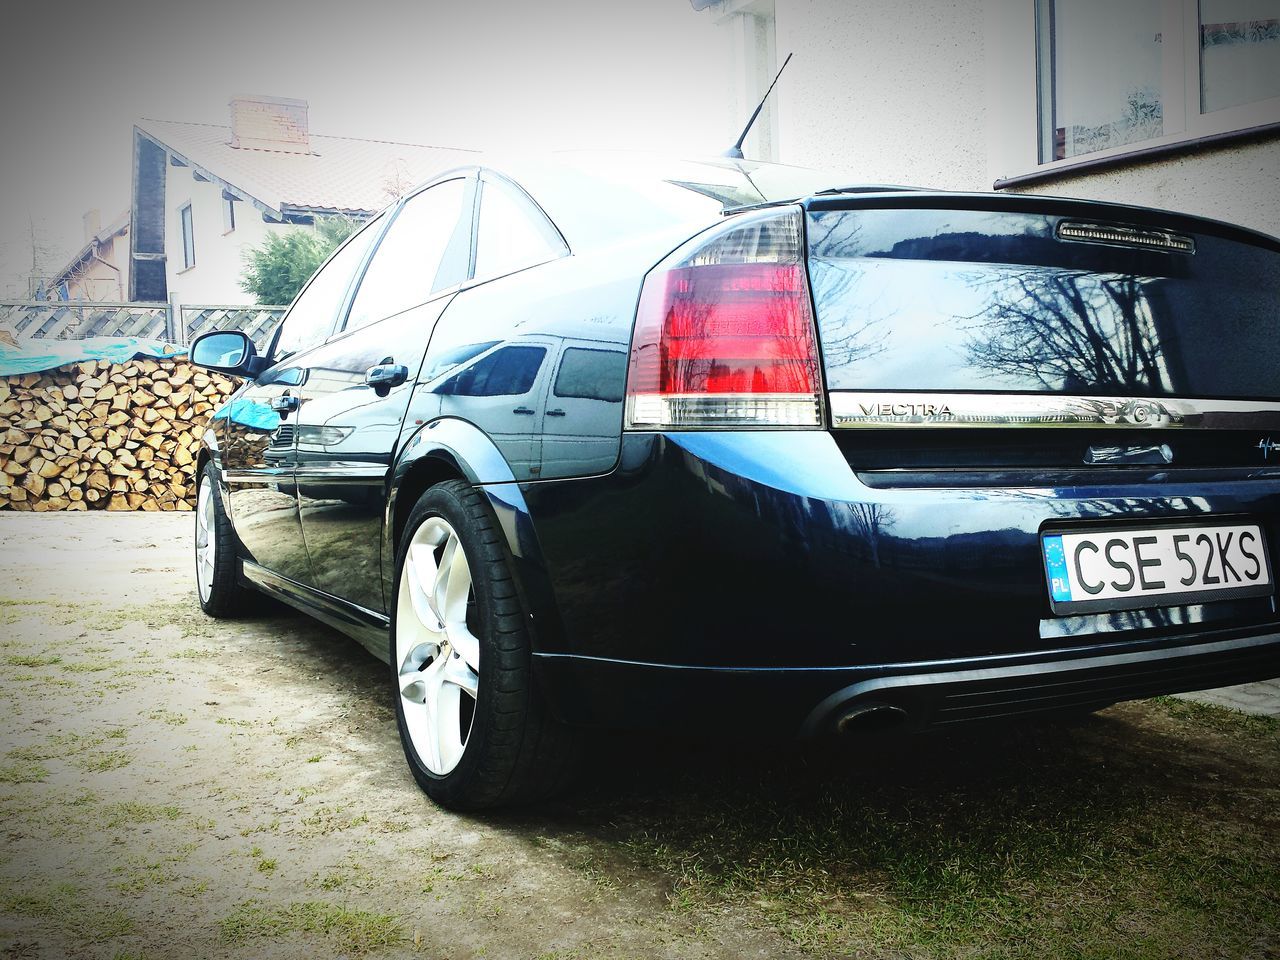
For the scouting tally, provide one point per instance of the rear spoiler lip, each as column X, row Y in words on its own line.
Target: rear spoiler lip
column 1118, row 213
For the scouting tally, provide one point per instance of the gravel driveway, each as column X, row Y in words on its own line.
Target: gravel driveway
column 171, row 786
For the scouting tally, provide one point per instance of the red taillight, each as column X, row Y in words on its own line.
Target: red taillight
column 724, row 336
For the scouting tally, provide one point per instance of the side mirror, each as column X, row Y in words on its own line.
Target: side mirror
column 226, row 351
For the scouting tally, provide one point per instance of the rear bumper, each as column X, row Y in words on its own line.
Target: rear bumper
column 809, row 702
column 753, row 581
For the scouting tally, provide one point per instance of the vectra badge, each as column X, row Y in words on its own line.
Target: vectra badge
column 905, row 409
column 1268, row 447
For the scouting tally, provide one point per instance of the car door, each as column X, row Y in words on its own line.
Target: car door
column 259, row 457
column 483, row 365
column 357, row 387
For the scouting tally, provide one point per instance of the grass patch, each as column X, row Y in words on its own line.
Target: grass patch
column 131, row 812
column 1134, row 835
column 1222, row 719
column 23, row 771
column 67, row 910
column 145, row 875
column 327, row 820
column 103, row 762
column 168, row 717
column 91, row 666
column 356, row 931
column 31, row 661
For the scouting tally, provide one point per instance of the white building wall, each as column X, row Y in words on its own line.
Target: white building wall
column 215, row 278
column 941, row 93
column 889, row 91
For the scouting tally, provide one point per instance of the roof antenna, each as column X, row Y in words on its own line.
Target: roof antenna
column 735, row 152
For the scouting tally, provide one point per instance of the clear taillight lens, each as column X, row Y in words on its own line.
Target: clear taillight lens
column 724, row 333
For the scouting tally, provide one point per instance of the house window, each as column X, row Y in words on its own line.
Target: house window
column 228, row 213
column 188, row 238
column 1114, row 77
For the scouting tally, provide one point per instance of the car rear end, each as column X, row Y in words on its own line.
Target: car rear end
column 927, row 458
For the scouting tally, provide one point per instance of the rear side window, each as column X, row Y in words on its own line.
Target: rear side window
column 311, row 317
column 513, row 233
column 455, row 358
column 592, row 375
column 510, row 371
column 417, row 258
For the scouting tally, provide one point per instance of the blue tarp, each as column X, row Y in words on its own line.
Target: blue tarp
column 249, row 413
column 33, row 356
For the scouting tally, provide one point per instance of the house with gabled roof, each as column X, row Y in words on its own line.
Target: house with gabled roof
column 202, row 194
column 99, row 270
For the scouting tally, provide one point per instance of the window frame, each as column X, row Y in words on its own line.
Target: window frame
column 378, row 222
column 187, row 230
column 1015, row 148
column 465, row 227
column 228, row 214
column 524, row 199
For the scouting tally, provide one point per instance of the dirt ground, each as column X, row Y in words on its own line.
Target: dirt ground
column 171, row 786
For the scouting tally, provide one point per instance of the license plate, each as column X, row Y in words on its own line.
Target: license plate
column 1124, row 568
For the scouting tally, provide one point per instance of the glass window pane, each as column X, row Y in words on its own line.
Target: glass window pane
column 510, row 371
column 592, row 374
column 310, row 318
column 412, row 261
column 188, row 238
column 512, row 234
column 1103, row 85
column 1239, row 52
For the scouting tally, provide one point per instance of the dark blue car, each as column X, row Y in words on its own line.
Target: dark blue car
column 723, row 445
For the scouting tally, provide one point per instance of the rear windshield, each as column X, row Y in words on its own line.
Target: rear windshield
column 978, row 301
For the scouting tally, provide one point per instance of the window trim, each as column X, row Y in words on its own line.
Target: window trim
column 488, row 175
column 187, row 230
column 1014, row 150
column 462, row 228
column 345, row 302
column 228, row 214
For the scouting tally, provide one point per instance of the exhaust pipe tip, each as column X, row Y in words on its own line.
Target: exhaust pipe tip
column 870, row 718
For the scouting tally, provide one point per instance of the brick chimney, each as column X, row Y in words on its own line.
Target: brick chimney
column 269, row 123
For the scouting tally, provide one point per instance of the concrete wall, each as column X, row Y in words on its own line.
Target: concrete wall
column 219, row 256
column 942, row 93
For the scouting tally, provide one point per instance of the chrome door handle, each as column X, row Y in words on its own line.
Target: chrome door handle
column 523, row 411
column 285, row 404
column 555, row 413
column 386, row 375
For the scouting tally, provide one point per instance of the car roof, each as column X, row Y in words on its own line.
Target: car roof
column 597, row 198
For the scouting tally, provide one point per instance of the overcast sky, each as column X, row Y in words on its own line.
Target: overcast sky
column 493, row 75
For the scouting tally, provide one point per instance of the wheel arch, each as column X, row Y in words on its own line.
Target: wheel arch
column 453, row 449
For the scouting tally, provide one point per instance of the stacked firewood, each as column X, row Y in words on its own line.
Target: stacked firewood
column 102, row 436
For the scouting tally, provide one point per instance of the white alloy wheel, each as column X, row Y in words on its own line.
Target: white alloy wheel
column 437, row 654
column 206, row 540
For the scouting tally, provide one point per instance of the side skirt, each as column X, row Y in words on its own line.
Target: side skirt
column 370, row 629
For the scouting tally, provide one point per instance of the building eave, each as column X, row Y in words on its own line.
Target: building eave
column 275, row 213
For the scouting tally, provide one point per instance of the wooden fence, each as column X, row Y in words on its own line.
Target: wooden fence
column 75, row 320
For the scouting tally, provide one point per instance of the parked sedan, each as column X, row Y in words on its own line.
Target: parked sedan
column 723, row 445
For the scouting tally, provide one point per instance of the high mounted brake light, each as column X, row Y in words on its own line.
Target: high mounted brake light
column 724, row 334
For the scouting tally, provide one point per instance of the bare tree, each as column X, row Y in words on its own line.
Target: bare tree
column 1065, row 329
column 871, row 521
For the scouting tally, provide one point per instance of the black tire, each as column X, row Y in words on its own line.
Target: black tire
column 228, row 598
column 516, row 751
